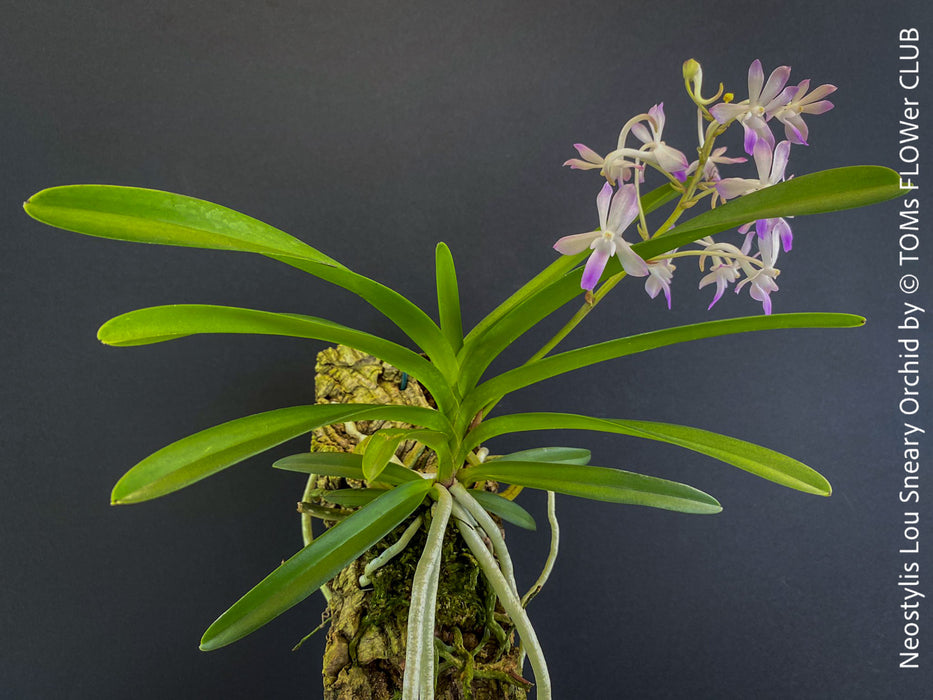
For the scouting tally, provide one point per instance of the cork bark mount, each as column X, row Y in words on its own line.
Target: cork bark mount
column 364, row 657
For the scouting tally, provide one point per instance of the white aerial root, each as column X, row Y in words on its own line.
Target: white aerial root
column 419, row 653
column 307, row 531
column 390, row 552
column 548, row 563
column 552, row 554
column 508, row 598
column 489, row 526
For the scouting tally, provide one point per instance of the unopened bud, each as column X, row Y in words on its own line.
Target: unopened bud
column 693, row 71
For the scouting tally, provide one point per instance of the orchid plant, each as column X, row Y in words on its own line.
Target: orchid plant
column 452, row 366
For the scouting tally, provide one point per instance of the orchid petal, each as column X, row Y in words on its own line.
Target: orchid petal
column 577, row 164
column 595, row 265
column 782, row 229
column 820, row 107
column 577, row 243
column 779, row 163
column 631, row 261
column 819, row 93
column 657, row 116
column 641, row 133
column 751, row 139
column 731, row 187
column 623, row 210
column 763, row 160
column 756, row 77
column 775, row 84
column 588, row 153
column 602, row 205
column 795, row 130
column 726, row 112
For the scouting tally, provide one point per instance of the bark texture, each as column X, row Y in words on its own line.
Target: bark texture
column 365, row 654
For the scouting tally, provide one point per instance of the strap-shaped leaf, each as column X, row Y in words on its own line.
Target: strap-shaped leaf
column 814, row 193
column 352, row 498
column 566, row 455
column 152, row 216
column 382, row 445
column 205, row 453
column 409, row 318
column 508, row 510
column 448, row 297
column 160, row 323
column 596, row 483
column 344, row 464
column 379, row 450
column 316, row 564
column 477, row 356
column 568, row 361
column 754, row 459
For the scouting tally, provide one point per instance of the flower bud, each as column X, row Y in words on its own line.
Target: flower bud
column 693, row 72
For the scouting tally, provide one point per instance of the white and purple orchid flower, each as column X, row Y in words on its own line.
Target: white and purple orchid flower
column 800, row 103
column 768, row 99
column 761, row 279
column 717, row 157
column 616, row 212
column 654, row 150
column 763, row 100
column 723, row 274
column 660, row 274
column 614, row 167
column 767, row 227
column 770, row 165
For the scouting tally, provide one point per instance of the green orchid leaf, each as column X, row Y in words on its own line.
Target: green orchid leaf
column 477, row 356
column 352, row 498
column 448, row 297
column 409, row 318
column 554, row 273
column 566, row 455
column 754, row 459
column 152, row 216
column 564, row 362
column 316, row 564
column 160, row 323
column 815, row 193
column 382, row 445
column 205, row 453
column 379, row 450
column 343, row 464
column 596, row 483
column 508, row 510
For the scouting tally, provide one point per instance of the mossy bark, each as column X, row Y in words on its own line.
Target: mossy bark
column 365, row 654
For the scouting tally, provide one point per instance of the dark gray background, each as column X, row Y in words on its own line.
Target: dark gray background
column 371, row 132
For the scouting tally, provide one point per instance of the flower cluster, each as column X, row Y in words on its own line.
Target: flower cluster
column 619, row 201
